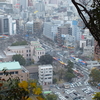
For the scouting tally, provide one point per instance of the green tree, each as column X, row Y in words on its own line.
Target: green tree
column 96, row 96
column 95, row 75
column 54, row 80
column 61, row 73
column 89, row 11
column 51, row 97
column 46, row 59
column 70, row 64
column 19, row 58
column 68, row 76
column 19, row 43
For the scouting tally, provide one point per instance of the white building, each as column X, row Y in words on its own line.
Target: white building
column 45, row 74
column 6, row 24
column 50, row 28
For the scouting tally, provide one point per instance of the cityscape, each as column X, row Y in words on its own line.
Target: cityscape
column 47, row 42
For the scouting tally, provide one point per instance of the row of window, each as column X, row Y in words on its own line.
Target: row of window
column 15, row 72
column 46, row 71
column 40, row 52
column 46, row 78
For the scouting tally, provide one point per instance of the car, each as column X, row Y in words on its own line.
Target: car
column 66, row 96
column 84, row 89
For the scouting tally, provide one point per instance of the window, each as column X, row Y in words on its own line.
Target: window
column 26, row 50
column 27, row 55
column 29, row 50
column 11, row 72
column 16, row 72
column 1, row 73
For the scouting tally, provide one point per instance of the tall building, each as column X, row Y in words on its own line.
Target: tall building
column 24, row 4
column 45, row 74
column 40, row 6
column 53, row 1
column 5, row 25
column 29, row 27
column 74, row 29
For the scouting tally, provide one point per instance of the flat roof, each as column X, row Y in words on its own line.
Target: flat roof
column 18, row 47
column 39, row 48
column 10, row 65
column 47, row 92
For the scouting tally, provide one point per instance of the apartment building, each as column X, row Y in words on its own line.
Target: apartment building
column 32, row 51
column 15, row 69
column 45, row 74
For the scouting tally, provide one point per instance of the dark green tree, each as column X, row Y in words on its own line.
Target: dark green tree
column 46, row 59
column 95, row 75
column 19, row 58
column 54, row 80
column 51, row 97
column 70, row 64
column 61, row 73
column 96, row 96
column 89, row 11
column 68, row 76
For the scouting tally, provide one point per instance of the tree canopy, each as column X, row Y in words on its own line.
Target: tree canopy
column 51, row 97
column 13, row 89
column 19, row 43
column 69, row 76
column 19, row 58
column 95, row 75
column 89, row 11
column 96, row 96
column 46, row 59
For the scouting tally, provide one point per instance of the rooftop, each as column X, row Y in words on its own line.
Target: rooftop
column 10, row 65
column 18, row 47
column 39, row 48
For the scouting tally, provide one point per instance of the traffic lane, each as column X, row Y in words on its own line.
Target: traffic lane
column 79, row 89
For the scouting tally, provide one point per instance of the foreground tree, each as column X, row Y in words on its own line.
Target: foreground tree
column 89, row 11
column 46, row 59
column 95, row 76
column 19, row 58
column 13, row 89
column 96, row 96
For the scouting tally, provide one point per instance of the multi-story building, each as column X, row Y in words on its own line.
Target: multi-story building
column 15, row 70
column 50, row 29
column 32, row 51
column 63, row 31
column 5, row 25
column 88, row 51
column 37, row 26
column 29, row 27
column 45, row 74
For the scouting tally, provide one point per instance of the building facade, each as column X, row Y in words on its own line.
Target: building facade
column 45, row 74
column 15, row 69
column 32, row 51
column 5, row 25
